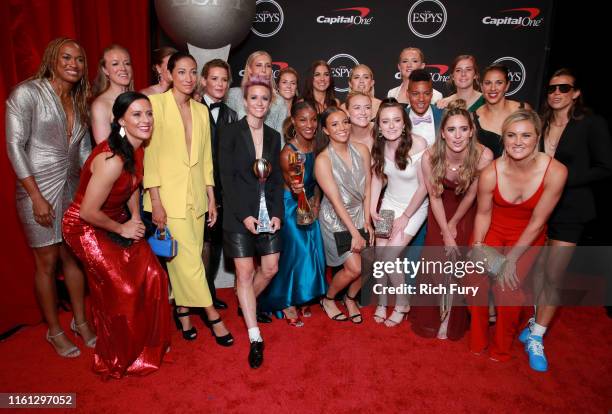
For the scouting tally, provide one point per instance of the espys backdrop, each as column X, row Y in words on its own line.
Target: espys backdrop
column 347, row 32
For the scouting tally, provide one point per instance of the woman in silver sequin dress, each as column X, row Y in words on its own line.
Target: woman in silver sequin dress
column 343, row 173
column 47, row 143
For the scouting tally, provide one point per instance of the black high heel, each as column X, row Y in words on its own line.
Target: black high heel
column 188, row 335
column 261, row 316
column 340, row 317
column 356, row 318
column 225, row 340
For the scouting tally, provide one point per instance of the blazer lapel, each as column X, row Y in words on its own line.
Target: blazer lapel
column 247, row 138
column 196, row 136
column 174, row 122
column 266, row 151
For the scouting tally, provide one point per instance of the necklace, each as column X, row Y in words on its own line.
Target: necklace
column 452, row 168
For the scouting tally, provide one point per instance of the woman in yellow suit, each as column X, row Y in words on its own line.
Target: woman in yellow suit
column 179, row 179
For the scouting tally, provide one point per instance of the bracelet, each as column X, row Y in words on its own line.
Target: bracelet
column 407, row 216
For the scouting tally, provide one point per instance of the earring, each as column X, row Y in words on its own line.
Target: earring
column 290, row 135
column 122, row 132
column 380, row 135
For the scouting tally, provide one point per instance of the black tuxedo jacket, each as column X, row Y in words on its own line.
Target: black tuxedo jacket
column 585, row 148
column 240, row 186
column 226, row 116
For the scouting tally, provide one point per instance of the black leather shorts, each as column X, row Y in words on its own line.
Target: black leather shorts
column 250, row 245
column 567, row 232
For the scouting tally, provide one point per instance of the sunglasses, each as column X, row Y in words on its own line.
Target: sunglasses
column 563, row 88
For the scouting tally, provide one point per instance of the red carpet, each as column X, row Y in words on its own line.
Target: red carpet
column 332, row 367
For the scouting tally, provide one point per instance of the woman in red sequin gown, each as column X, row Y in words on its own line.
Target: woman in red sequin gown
column 129, row 288
column 516, row 195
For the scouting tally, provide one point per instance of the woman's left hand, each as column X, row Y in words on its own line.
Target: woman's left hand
column 212, row 213
column 371, row 235
column 508, row 278
column 296, row 187
column 275, row 224
column 399, row 224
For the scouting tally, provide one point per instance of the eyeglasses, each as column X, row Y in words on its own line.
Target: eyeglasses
column 563, row 88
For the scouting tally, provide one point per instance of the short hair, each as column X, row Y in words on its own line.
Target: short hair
column 256, row 81
column 523, row 115
column 217, row 63
column 419, row 75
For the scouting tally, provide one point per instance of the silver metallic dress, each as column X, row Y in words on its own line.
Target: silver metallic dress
column 37, row 145
column 351, row 185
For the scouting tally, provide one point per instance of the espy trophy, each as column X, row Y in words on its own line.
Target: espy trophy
column 262, row 169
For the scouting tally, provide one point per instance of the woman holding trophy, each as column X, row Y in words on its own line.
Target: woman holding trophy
column 301, row 270
column 249, row 153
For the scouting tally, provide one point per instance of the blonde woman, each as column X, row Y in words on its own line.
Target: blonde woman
column 362, row 80
column 259, row 63
column 114, row 77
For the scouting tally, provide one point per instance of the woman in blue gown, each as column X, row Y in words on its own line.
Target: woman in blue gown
column 301, row 269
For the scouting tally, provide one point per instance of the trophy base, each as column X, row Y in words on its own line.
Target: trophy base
column 305, row 220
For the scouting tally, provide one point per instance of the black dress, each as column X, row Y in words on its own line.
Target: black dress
column 490, row 139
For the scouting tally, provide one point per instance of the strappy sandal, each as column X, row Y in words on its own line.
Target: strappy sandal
column 392, row 323
column 71, row 352
column 380, row 317
column 356, row 318
column 77, row 331
column 340, row 317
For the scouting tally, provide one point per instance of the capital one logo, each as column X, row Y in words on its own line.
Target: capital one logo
column 427, row 18
column 269, row 18
column 516, row 72
column 341, row 66
column 276, row 68
column 350, row 19
column 517, row 18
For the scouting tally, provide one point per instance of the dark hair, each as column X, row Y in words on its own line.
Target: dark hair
column 288, row 127
column 403, row 149
column 178, row 56
column 217, row 63
column 308, row 94
column 578, row 109
column 322, row 140
column 503, row 69
column 157, row 58
column 120, row 145
column 419, row 75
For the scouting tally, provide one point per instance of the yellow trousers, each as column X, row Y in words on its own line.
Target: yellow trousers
column 186, row 269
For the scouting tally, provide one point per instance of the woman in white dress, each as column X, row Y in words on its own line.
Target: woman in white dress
column 397, row 160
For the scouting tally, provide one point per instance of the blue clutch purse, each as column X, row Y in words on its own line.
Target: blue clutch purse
column 163, row 244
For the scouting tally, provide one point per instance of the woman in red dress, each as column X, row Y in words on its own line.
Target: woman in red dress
column 129, row 289
column 450, row 170
column 516, row 195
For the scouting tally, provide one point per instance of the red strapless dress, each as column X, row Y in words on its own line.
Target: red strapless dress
column 128, row 287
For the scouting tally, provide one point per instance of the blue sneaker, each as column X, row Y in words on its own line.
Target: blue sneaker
column 535, row 349
column 525, row 333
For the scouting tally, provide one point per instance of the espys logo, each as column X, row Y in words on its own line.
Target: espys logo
column 514, row 20
column 276, row 68
column 427, row 18
column 438, row 74
column 516, row 72
column 268, row 18
column 341, row 66
column 361, row 19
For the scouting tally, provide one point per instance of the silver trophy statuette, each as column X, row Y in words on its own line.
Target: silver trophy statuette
column 262, row 169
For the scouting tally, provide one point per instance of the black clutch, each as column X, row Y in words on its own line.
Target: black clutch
column 119, row 239
column 344, row 238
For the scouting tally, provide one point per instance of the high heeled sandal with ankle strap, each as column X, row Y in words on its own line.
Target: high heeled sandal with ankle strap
column 225, row 340
column 71, row 352
column 380, row 317
column 339, row 317
column 76, row 329
column 188, row 335
column 356, row 318
column 394, row 323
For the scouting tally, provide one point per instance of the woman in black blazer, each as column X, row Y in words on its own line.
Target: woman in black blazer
column 581, row 141
column 240, row 144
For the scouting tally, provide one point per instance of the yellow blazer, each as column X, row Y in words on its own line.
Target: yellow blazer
column 166, row 164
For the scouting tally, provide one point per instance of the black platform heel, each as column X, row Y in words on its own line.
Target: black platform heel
column 188, row 335
column 225, row 340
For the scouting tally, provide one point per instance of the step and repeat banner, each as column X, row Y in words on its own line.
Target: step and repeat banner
column 345, row 33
